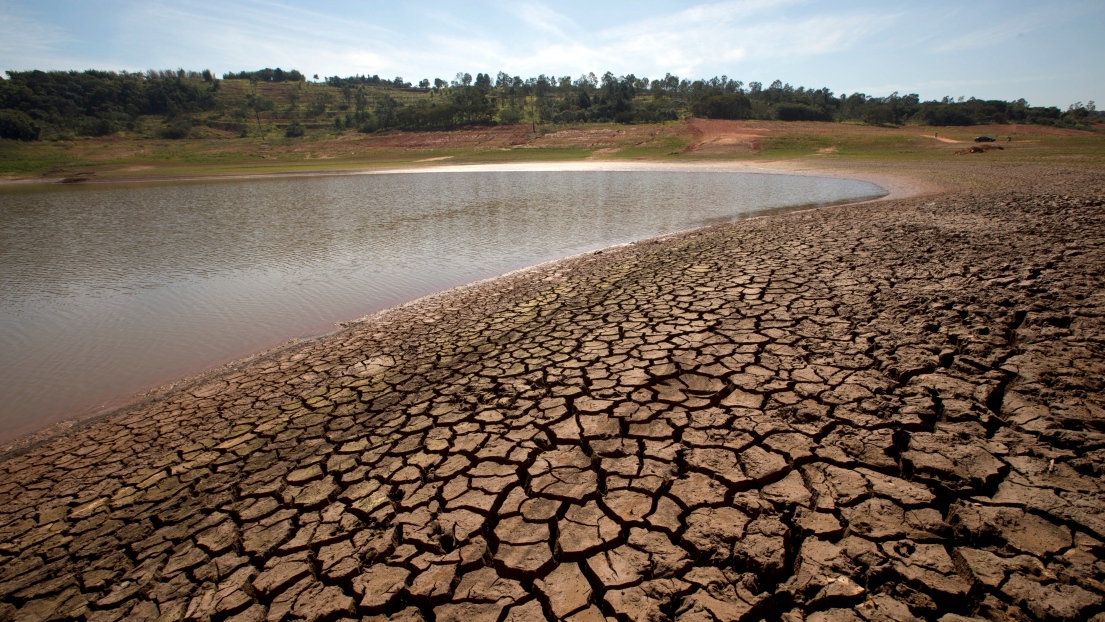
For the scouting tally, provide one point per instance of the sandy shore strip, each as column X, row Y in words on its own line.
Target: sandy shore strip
column 867, row 412
column 899, row 184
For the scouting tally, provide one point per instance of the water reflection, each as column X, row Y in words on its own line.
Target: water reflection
column 110, row 290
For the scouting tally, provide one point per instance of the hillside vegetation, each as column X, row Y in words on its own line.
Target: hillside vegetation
column 57, row 105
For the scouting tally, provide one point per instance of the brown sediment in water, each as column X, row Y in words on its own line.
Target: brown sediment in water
column 893, row 407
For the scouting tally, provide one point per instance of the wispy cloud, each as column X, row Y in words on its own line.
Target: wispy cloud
column 955, row 88
column 251, row 34
column 692, row 39
column 541, row 18
column 543, row 39
column 798, row 40
column 32, row 42
column 979, row 33
column 684, row 42
column 989, row 36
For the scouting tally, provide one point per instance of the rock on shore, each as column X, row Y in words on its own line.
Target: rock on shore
column 878, row 412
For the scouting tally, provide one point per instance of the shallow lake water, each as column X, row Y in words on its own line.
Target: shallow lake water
column 110, row 290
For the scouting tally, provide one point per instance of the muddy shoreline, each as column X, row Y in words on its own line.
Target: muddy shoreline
column 433, row 166
column 895, row 185
column 868, row 412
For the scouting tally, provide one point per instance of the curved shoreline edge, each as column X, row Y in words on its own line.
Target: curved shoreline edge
column 763, row 167
column 895, row 185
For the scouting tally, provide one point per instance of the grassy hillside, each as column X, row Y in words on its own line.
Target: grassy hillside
column 106, row 124
column 689, row 140
column 37, row 105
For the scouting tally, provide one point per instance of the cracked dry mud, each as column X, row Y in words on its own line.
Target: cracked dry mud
column 876, row 412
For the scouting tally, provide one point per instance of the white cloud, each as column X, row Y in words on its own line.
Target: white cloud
column 240, row 34
column 28, row 43
column 540, row 17
column 799, row 40
column 686, row 42
column 696, row 39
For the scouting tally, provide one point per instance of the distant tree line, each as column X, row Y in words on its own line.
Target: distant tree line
column 97, row 103
column 629, row 99
column 266, row 75
column 467, row 103
column 37, row 104
column 374, row 80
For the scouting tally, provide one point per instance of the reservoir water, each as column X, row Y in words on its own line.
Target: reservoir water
column 110, row 290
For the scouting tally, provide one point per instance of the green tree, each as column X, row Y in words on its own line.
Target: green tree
column 294, row 130
column 17, row 126
column 801, row 112
column 730, row 106
column 258, row 104
column 386, row 112
column 510, row 115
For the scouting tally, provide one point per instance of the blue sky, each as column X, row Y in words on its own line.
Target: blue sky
column 1049, row 53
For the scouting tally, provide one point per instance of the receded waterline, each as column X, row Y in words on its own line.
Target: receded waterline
column 110, row 290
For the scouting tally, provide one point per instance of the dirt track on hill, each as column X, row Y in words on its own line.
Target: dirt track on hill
column 718, row 137
column 875, row 412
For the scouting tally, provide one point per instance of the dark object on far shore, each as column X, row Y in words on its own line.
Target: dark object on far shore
column 985, row 139
column 77, row 178
column 977, row 149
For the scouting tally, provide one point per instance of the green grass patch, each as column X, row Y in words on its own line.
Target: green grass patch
column 521, row 154
column 118, row 157
column 663, row 147
column 17, row 158
column 792, row 146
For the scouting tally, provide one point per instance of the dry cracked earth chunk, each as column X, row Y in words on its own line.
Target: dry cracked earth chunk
column 877, row 412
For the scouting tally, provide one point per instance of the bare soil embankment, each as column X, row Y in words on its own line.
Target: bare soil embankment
column 875, row 412
column 115, row 159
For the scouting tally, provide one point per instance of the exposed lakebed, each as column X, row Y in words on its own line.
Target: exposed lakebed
column 109, row 290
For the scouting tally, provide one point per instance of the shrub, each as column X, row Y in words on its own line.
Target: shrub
column 801, row 112
column 567, row 116
column 731, row 106
column 16, row 125
column 175, row 131
column 653, row 113
column 295, row 130
column 945, row 115
column 510, row 115
column 91, row 126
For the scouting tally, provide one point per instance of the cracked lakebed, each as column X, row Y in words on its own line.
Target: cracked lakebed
column 876, row 412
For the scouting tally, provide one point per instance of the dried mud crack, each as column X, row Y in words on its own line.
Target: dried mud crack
column 877, row 412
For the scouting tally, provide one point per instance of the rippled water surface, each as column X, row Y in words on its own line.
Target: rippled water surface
column 106, row 291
